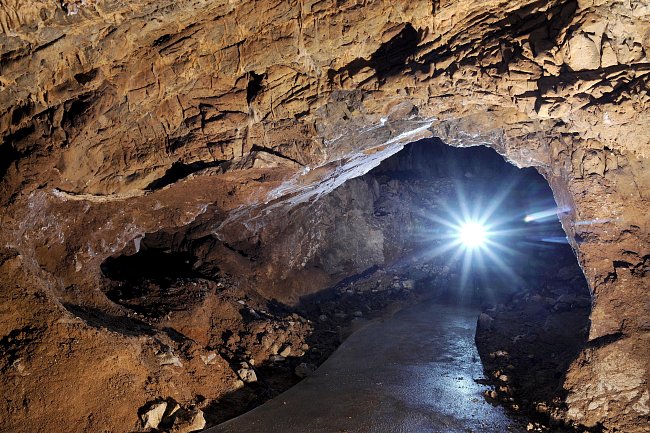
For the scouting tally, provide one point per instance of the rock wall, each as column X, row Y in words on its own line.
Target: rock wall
column 120, row 119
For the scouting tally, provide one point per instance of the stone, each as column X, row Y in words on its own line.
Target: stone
column 304, row 369
column 583, row 53
column 209, row 358
column 153, row 415
column 275, row 349
column 187, row 421
column 247, row 375
column 286, row 351
column 197, row 422
column 492, row 394
column 168, row 358
column 19, row 367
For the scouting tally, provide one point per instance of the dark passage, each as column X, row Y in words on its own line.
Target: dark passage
column 389, row 239
column 534, row 298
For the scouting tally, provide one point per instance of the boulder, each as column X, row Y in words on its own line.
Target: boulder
column 153, row 416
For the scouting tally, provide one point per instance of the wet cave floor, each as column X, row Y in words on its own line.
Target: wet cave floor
column 411, row 359
column 416, row 371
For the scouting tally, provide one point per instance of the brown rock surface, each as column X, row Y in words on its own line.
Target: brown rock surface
column 125, row 118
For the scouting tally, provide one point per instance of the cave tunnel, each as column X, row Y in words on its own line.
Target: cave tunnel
column 449, row 228
column 324, row 216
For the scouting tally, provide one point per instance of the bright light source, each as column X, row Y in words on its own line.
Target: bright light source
column 472, row 234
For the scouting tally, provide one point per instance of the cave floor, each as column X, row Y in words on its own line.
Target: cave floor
column 416, row 371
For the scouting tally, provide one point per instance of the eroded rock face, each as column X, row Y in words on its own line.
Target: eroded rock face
column 120, row 119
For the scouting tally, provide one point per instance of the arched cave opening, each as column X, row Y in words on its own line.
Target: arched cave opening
column 389, row 238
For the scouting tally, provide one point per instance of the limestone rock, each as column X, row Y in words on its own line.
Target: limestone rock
column 154, row 414
column 187, row 421
column 286, row 351
column 168, row 358
column 583, row 53
column 247, row 375
column 210, row 358
column 120, row 119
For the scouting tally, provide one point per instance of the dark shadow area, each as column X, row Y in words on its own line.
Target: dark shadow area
column 120, row 324
column 149, row 264
column 179, row 171
column 156, row 279
column 8, row 151
column 273, row 379
column 254, row 86
column 389, row 59
column 391, row 56
column 77, row 110
column 7, row 157
column 84, row 78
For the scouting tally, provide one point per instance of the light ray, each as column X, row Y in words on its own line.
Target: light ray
column 545, row 214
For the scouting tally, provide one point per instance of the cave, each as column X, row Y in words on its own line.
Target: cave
column 386, row 240
column 209, row 209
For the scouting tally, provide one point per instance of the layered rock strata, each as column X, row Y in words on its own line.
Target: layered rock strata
column 125, row 118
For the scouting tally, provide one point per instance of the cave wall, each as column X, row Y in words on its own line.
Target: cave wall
column 405, row 212
column 120, row 119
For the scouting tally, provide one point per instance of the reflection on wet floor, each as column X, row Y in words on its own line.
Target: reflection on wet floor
column 414, row 372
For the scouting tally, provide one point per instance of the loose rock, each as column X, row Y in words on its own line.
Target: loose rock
column 152, row 417
column 247, row 375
